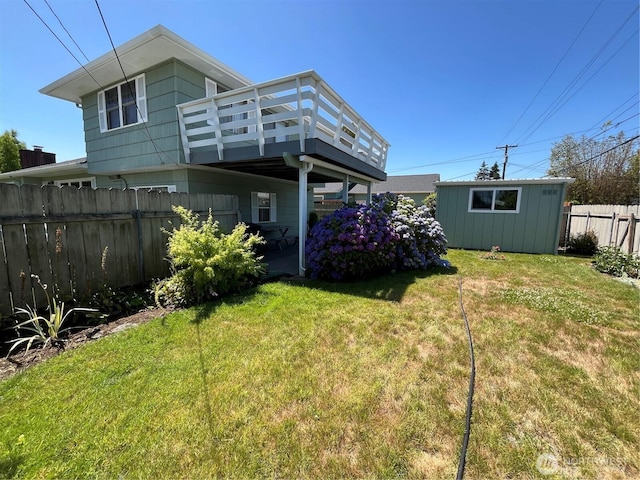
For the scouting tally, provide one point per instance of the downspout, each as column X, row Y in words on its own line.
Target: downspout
column 302, row 212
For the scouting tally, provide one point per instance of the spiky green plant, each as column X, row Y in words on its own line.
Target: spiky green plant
column 47, row 328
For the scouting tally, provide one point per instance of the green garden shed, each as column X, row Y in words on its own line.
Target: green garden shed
column 517, row 215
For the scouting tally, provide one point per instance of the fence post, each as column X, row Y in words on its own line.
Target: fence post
column 632, row 232
column 613, row 222
column 141, row 275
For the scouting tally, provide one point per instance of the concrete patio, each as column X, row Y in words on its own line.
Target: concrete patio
column 282, row 261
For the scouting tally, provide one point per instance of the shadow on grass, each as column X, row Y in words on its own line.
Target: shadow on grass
column 10, row 464
column 391, row 287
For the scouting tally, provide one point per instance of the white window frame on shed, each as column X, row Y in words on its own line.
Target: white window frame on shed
column 260, row 211
column 160, row 188
column 124, row 120
column 495, row 200
column 75, row 182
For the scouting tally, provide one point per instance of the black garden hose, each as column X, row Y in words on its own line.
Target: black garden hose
column 472, row 379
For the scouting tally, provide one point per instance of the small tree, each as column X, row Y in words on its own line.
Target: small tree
column 494, row 173
column 484, row 173
column 10, row 151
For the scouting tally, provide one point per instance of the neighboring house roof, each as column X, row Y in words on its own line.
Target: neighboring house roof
column 138, row 54
column 514, row 181
column 74, row 167
column 397, row 184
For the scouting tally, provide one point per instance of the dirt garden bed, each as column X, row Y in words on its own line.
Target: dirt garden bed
column 20, row 361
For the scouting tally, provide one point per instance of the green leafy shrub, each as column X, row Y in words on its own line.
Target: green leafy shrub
column 613, row 261
column 207, row 263
column 313, row 219
column 47, row 328
column 583, row 243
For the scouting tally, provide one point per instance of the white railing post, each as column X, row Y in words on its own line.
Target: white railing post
column 256, row 99
column 339, row 122
column 300, row 115
column 184, row 137
column 314, row 110
column 215, row 119
column 356, row 141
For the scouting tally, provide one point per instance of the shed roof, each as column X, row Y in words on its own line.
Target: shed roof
column 509, row 182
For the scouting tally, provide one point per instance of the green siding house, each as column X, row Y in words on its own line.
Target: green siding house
column 179, row 120
column 517, row 215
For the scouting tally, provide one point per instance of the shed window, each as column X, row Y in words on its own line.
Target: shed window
column 503, row 200
column 263, row 207
column 122, row 105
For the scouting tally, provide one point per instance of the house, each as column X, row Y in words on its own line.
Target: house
column 517, row 215
column 181, row 121
column 416, row 187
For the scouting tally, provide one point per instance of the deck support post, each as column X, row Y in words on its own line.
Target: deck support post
column 303, row 172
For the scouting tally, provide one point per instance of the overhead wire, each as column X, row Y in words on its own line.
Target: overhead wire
column 61, row 42
column 543, row 118
column 566, row 100
column 552, row 72
column 67, row 31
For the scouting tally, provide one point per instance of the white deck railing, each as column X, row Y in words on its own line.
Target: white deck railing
column 296, row 107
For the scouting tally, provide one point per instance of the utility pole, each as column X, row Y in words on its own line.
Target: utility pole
column 506, row 157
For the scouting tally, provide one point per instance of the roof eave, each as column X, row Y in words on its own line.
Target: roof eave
column 105, row 70
column 524, row 181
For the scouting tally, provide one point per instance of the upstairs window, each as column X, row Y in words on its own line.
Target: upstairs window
column 122, row 105
column 502, row 200
column 263, row 207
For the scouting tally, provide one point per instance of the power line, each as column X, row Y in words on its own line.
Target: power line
column 576, row 79
column 553, row 71
column 61, row 42
column 65, row 29
column 558, row 107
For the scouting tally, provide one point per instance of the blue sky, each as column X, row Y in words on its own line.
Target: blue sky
column 444, row 82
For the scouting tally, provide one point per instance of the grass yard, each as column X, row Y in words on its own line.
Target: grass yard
column 351, row 380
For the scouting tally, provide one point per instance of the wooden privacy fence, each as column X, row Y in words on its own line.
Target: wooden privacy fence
column 613, row 225
column 78, row 239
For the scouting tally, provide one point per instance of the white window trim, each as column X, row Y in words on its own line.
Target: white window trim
column 255, row 215
column 67, row 181
column 493, row 200
column 170, row 188
column 141, row 103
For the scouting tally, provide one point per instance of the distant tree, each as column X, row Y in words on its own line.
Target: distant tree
column 484, row 173
column 494, row 173
column 606, row 171
column 430, row 202
column 10, row 151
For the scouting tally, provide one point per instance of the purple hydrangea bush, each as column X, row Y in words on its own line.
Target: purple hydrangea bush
column 351, row 243
column 421, row 240
column 391, row 234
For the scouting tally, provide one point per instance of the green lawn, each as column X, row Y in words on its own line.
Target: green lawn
column 350, row 380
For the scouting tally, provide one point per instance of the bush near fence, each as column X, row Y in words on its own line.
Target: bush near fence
column 60, row 234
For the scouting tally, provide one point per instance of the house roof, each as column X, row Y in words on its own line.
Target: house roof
column 77, row 166
column 397, row 184
column 138, row 54
column 509, row 182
